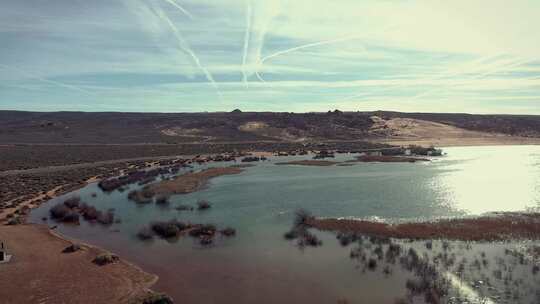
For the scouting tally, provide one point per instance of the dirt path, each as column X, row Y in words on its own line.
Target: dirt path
column 39, row 273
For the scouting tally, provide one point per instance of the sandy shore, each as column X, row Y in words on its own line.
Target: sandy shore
column 487, row 140
column 407, row 131
column 40, row 273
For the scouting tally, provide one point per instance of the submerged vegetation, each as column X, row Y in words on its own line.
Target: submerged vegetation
column 439, row 268
column 72, row 209
column 171, row 229
column 203, row 205
column 300, row 230
column 431, row 254
column 156, row 298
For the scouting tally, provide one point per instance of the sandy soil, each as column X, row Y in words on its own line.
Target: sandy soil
column 39, row 273
column 407, row 131
column 462, row 142
column 503, row 226
column 261, row 153
column 320, row 163
column 189, row 182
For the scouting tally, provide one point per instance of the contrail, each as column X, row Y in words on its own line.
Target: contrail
column 33, row 76
column 263, row 12
column 309, row 45
column 314, row 44
column 185, row 47
column 297, row 48
column 447, row 73
column 246, row 41
column 183, row 10
column 259, row 76
column 497, row 68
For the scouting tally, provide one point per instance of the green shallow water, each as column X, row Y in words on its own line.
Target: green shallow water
column 258, row 265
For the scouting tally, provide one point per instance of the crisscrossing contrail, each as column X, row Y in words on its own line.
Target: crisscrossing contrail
column 186, row 49
column 42, row 79
column 246, row 40
column 183, row 10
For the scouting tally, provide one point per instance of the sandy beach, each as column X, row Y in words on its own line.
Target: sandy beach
column 462, row 141
column 40, row 273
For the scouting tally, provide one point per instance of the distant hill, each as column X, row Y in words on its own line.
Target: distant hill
column 236, row 126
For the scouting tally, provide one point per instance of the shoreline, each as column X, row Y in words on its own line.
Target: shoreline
column 69, row 275
column 495, row 140
column 135, row 294
column 25, row 207
column 36, row 202
column 58, row 235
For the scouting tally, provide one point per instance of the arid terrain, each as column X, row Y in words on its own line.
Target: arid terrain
column 42, row 273
column 43, row 155
column 228, row 127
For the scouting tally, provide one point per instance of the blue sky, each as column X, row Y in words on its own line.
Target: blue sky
column 297, row 55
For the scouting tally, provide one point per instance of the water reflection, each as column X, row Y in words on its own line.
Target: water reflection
column 259, row 266
column 485, row 179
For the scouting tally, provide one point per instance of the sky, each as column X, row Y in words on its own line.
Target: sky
column 470, row 56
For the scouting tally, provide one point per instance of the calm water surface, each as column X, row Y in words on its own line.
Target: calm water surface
column 258, row 265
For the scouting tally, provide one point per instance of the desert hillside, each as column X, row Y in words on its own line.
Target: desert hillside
column 237, row 126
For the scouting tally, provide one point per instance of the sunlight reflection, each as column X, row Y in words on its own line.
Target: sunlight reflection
column 484, row 179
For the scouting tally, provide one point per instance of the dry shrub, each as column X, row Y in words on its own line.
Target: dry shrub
column 145, row 233
column 203, row 205
column 106, row 258
column 72, row 202
column 59, row 211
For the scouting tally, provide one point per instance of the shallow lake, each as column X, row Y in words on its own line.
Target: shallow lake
column 259, row 265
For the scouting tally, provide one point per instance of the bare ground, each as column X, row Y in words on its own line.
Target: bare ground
column 409, row 131
column 40, row 273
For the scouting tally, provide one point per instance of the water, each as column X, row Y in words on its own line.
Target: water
column 258, row 265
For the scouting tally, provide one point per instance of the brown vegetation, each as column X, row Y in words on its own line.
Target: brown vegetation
column 203, row 205
column 389, row 159
column 504, row 226
column 188, row 182
column 172, row 229
column 70, row 211
column 105, row 258
column 300, row 230
column 155, row 298
column 309, row 162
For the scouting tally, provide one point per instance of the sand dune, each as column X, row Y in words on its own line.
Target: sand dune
column 409, row 131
